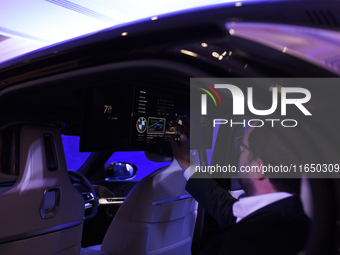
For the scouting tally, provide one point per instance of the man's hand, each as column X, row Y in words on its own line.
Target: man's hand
column 181, row 149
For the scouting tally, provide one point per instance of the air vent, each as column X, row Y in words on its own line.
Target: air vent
column 322, row 17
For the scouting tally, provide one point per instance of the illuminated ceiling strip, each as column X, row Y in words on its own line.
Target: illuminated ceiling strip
column 10, row 32
column 3, row 38
column 85, row 11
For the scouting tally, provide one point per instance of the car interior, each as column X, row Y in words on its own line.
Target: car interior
column 152, row 216
column 114, row 97
column 157, row 217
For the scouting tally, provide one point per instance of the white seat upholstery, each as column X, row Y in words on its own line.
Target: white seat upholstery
column 42, row 213
column 157, row 217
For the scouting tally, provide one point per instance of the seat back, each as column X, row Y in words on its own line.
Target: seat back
column 42, row 213
column 157, row 217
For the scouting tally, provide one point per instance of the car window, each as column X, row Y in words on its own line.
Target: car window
column 138, row 158
column 74, row 158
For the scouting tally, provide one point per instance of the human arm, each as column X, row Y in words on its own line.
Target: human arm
column 209, row 194
column 213, row 198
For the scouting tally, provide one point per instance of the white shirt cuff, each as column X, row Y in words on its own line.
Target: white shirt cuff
column 189, row 172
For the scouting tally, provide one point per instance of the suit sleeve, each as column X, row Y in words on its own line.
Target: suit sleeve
column 213, row 197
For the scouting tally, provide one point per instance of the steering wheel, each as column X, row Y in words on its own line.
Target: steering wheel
column 90, row 196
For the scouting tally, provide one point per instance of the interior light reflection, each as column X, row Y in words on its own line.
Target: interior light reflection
column 215, row 54
column 190, row 53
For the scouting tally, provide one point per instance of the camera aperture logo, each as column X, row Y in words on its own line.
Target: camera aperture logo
column 204, row 98
column 239, row 104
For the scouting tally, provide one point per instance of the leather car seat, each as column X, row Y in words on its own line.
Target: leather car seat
column 42, row 213
column 157, row 217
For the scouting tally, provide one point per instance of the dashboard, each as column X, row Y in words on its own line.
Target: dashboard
column 131, row 117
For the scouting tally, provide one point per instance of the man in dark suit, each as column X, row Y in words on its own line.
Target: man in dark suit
column 270, row 220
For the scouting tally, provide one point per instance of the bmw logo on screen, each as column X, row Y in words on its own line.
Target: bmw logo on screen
column 141, row 125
